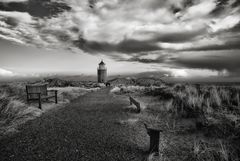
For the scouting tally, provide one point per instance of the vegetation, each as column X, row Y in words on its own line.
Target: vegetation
column 200, row 122
column 214, row 110
column 93, row 127
column 14, row 109
column 56, row 82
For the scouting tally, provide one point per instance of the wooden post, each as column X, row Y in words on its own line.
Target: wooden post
column 130, row 100
column 138, row 107
column 136, row 103
column 39, row 100
column 27, row 94
column 56, row 101
column 154, row 139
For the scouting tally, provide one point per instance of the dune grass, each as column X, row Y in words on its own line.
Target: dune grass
column 212, row 111
column 200, row 122
column 14, row 109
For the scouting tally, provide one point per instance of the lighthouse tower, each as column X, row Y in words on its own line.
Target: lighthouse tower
column 102, row 72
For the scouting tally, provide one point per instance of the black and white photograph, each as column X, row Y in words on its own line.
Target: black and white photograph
column 119, row 80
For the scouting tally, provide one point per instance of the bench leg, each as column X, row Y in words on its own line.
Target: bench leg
column 138, row 109
column 154, row 142
column 130, row 101
column 27, row 98
column 39, row 101
column 56, row 101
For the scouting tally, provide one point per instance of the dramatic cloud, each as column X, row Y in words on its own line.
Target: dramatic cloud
column 14, row 0
column 125, row 46
column 227, row 61
column 36, row 8
column 142, row 31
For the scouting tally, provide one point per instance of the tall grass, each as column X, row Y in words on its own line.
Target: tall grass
column 215, row 109
column 190, row 99
column 14, row 109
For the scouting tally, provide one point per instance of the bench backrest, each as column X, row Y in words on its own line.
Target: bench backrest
column 36, row 88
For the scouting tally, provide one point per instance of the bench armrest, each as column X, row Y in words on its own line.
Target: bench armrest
column 55, row 94
column 34, row 93
column 52, row 90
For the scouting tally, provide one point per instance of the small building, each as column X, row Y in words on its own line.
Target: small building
column 102, row 72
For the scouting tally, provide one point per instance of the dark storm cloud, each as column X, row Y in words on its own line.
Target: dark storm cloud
column 188, row 3
column 179, row 36
column 230, row 45
column 36, row 8
column 236, row 3
column 159, row 59
column 11, row 21
column 124, row 46
column 60, row 35
column 215, row 60
column 220, row 6
column 235, row 28
column 144, row 60
column 92, row 3
column 132, row 46
column 175, row 9
column 184, row 5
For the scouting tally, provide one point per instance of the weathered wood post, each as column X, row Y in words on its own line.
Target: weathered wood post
column 130, row 100
column 137, row 104
column 39, row 101
column 138, row 107
column 56, row 101
column 154, row 139
column 27, row 94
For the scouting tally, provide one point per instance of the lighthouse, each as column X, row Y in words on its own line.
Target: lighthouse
column 102, row 72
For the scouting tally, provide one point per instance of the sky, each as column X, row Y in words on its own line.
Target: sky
column 177, row 38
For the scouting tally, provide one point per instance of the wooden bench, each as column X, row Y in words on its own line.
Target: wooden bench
column 136, row 103
column 39, row 92
column 154, row 134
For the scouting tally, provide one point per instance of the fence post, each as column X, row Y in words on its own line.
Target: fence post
column 27, row 94
column 130, row 99
column 136, row 103
column 138, row 107
column 56, row 96
column 39, row 100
